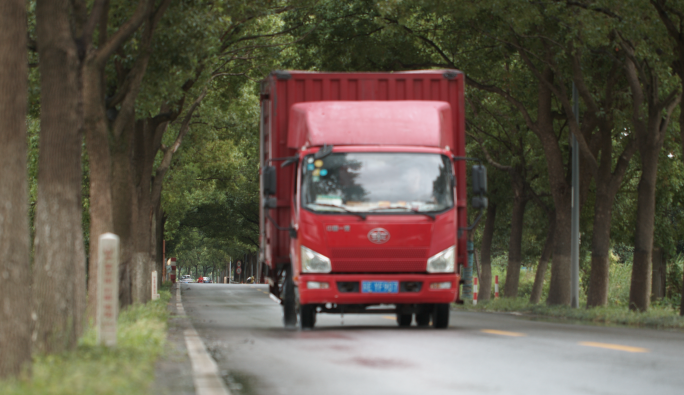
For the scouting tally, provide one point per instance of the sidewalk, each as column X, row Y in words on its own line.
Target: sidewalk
column 173, row 372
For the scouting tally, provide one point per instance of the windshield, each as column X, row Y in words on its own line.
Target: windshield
column 377, row 182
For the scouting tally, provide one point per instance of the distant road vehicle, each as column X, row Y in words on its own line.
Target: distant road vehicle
column 186, row 278
column 204, row 280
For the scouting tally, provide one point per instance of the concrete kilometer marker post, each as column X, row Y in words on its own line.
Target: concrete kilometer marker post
column 155, row 295
column 107, row 288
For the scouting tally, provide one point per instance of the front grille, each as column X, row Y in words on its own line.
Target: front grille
column 380, row 253
column 348, row 286
column 378, row 260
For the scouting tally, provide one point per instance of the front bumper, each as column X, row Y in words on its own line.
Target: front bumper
column 334, row 294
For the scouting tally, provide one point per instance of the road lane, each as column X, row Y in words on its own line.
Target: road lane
column 478, row 354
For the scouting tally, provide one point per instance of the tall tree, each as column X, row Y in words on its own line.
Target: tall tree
column 15, row 272
column 96, row 124
column 59, row 268
column 671, row 14
column 509, row 140
column 651, row 116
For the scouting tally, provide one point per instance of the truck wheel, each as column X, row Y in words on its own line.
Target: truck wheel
column 289, row 302
column 423, row 319
column 307, row 316
column 440, row 316
column 404, row 319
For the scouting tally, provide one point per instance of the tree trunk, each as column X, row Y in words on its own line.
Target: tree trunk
column 640, row 289
column 158, row 232
column 515, row 241
column 486, row 253
column 658, row 274
column 15, row 269
column 141, row 215
column 59, row 269
column 607, row 185
column 540, row 275
column 143, row 162
column 124, row 214
column 559, row 290
column 100, row 162
column 597, row 293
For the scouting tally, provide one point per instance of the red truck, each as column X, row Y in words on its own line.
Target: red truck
column 363, row 203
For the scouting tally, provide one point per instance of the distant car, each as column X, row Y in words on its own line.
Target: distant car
column 186, row 278
column 206, row 280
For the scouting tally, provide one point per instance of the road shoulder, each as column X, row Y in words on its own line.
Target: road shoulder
column 173, row 371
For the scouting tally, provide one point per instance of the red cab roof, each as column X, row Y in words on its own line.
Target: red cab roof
column 401, row 122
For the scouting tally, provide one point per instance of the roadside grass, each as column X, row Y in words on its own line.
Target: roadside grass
column 662, row 314
column 658, row 316
column 92, row 369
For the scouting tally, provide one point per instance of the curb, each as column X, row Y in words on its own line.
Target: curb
column 186, row 368
column 205, row 372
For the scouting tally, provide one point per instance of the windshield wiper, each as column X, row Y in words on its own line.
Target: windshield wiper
column 413, row 210
column 362, row 215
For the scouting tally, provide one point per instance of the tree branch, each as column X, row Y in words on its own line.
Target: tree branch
column 133, row 82
column 125, row 31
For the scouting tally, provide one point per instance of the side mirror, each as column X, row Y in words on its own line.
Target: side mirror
column 480, row 180
column 479, row 202
column 270, row 202
column 270, row 183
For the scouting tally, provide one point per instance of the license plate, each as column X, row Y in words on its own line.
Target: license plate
column 380, row 287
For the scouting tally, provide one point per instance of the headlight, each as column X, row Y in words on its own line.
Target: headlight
column 313, row 262
column 444, row 262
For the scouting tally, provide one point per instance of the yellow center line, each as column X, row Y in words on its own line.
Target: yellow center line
column 502, row 333
column 609, row 346
column 389, row 317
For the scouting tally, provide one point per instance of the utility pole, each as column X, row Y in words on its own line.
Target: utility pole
column 574, row 229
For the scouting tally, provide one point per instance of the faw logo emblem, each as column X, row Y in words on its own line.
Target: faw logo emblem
column 378, row 236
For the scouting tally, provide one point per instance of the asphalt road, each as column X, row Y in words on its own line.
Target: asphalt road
column 479, row 353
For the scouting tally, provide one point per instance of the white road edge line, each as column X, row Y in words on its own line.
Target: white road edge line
column 205, row 372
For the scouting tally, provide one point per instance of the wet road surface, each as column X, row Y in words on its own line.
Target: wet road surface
column 479, row 353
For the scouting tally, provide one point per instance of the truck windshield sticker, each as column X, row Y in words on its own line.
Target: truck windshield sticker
column 310, row 160
column 318, row 163
column 310, row 166
column 388, row 182
column 328, row 199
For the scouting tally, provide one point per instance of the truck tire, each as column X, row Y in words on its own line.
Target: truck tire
column 423, row 319
column 404, row 319
column 424, row 314
column 440, row 316
column 307, row 316
column 289, row 302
